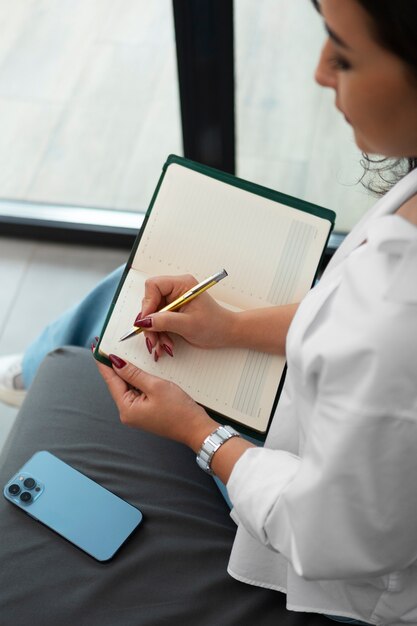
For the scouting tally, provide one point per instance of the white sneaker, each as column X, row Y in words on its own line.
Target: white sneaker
column 12, row 390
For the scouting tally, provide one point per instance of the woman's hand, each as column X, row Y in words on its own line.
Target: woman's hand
column 156, row 405
column 202, row 322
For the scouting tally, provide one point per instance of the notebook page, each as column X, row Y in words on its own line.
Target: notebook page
column 199, row 225
column 240, row 384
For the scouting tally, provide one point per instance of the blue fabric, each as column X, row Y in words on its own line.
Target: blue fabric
column 223, row 490
column 77, row 327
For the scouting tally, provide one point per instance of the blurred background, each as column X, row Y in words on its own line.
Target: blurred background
column 94, row 95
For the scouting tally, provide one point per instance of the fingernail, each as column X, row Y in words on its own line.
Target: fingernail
column 117, row 361
column 93, row 347
column 138, row 317
column 155, row 356
column 167, row 349
column 97, row 338
column 149, row 345
column 145, row 323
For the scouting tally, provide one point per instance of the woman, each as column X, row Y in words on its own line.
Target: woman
column 327, row 511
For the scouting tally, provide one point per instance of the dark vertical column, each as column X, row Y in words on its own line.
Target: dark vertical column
column 204, row 39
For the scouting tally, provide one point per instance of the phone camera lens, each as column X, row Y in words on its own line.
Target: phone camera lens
column 29, row 483
column 14, row 489
column 25, row 496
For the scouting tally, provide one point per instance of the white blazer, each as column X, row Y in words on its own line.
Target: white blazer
column 327, row 510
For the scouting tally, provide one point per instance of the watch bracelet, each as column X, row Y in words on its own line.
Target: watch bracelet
column 211, row 444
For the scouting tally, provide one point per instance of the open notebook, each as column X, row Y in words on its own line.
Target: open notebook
column 201, row 220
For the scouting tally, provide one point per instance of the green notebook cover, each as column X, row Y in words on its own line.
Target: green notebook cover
column 246, row 186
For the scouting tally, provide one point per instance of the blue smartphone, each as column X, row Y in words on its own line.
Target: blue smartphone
column 74, row 506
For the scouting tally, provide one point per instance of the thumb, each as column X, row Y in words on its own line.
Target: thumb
column 132, row 375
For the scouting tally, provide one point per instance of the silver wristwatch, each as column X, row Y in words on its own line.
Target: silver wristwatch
column 211, row 444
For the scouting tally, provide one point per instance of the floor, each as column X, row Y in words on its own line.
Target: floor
column 89, row 111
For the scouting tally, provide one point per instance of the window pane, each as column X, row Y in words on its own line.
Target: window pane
column 88, row 100
column 289, row 134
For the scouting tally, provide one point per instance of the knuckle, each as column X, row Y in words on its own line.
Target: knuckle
column 134, row 374
column 157, row 385
column 124, row 417
column 189, row 278
column 171, row 387
column 149, row 282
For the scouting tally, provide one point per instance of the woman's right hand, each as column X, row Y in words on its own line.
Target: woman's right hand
column 202, row 322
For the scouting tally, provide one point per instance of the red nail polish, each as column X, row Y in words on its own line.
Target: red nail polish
column 167, row 349
column 149, row 345
column 117, row 361
column 93, row 347
column 155, row 356
column 138, row 317
column 97, row 338
column 145, row 323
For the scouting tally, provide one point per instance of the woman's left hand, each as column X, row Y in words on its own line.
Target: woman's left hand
column 156, row 405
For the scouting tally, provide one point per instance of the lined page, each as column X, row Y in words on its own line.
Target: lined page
column 240, row 384
column 199, row 225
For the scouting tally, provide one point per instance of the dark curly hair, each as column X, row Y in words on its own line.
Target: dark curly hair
column 395, row 28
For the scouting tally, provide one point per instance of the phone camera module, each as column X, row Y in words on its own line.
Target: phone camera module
column 29, row 483
column 25, row 496
column 14, row 489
